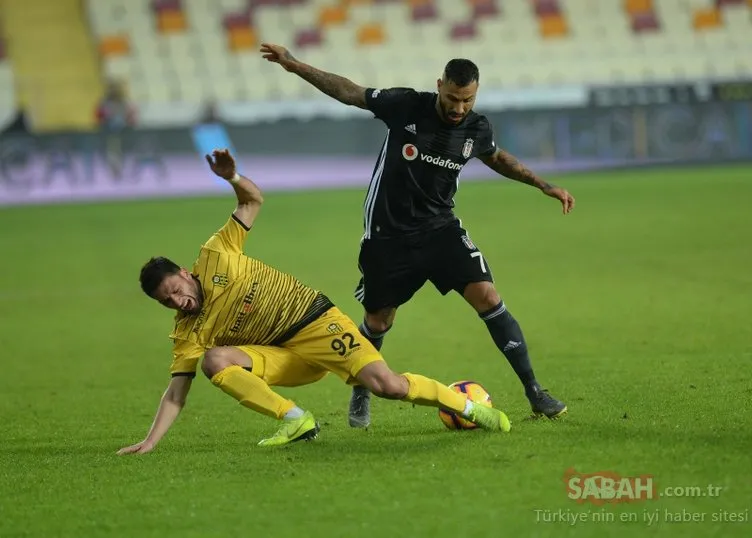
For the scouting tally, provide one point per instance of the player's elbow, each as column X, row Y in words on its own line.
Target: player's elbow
column 490, row 160
column 251, row 203
column 253, row 197
column 177, row 392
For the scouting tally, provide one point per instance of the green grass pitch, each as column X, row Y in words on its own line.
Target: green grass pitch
column 637, row 308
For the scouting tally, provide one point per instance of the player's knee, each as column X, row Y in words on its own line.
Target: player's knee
column 377, row 326
column 215, row 360
column 491, row 297
column 381, row 321
column 482, row 296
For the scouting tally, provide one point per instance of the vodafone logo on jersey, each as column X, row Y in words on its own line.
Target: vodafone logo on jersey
column 410, row 153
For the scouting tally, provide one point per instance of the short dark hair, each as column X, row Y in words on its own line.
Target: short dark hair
column 461, row 71
column 154, row 272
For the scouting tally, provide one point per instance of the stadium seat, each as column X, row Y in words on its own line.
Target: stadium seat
column 371, row 34
column 705, row 19
column 637, row 7
column 552, row 25
column 171, row 21
column 332, row 15
column 241, row 38
column 114, row 45
column 484, row 8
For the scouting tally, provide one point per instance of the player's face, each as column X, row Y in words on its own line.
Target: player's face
column 180, row 292
column 456, row 102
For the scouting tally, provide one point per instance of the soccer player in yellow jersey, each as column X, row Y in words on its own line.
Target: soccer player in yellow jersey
column 257, row 327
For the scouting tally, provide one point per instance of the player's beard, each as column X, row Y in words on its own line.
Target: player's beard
column 455, row 119
column 446, row 114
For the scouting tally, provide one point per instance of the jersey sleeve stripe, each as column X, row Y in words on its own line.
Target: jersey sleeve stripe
column 216, row 267
column 374, row 187
column 242, row 224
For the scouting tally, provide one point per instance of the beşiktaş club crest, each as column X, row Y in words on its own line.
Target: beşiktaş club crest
column 467, row 148
column 468, row 243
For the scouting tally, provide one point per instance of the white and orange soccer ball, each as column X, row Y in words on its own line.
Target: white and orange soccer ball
column 476, row 393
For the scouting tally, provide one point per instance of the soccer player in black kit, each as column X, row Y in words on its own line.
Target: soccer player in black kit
column 411, row 234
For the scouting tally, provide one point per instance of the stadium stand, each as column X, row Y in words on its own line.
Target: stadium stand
column 205, row 51
column 7, row 86
column 194, row 49
column 56, row 70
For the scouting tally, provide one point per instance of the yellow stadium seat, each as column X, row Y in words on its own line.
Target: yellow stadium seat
column 330, row 15
column 706, row 18
column 371, row 34
column 171, row 21
column 638, row 6
column 114, row 45
column 552, row 26
column 241, row 38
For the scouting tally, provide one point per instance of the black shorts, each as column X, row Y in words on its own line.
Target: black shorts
column 394, row 269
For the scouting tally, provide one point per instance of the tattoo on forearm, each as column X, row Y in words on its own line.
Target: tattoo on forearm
column 509, row 166
column 336, row 86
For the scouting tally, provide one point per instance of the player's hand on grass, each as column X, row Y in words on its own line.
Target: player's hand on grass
column 139, row 448
column 223, row 164
column 278, row 54
column 566, row 199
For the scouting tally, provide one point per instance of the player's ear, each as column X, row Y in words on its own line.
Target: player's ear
column 438, row 84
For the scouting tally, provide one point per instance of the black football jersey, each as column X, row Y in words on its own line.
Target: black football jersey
column 417, row 173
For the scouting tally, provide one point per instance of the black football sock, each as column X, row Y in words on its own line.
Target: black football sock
column 376, row 338
column 507, row 336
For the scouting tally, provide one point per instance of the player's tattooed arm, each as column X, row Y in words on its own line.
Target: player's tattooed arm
column 508, row 165
column 338, row 87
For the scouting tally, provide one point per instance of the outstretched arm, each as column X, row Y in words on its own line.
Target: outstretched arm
column 509, row 166
column 340, row 88
column 248, row 193
column 170, row 406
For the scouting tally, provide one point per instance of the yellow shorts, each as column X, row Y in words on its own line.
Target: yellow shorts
column 280, row 367
column 331, row 343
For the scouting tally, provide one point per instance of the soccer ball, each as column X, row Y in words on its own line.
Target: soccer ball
column 476, row 393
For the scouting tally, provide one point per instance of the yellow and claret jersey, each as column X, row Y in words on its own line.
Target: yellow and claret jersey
column 246, row 302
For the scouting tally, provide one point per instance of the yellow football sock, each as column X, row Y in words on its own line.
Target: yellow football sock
column 426, row 391
column 251, row 391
